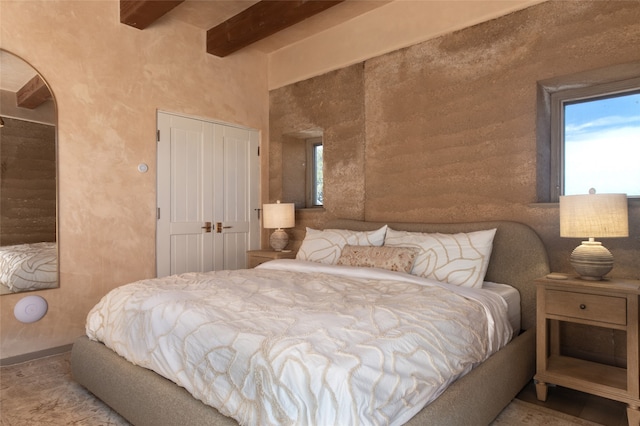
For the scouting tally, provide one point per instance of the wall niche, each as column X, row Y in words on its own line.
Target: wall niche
column 297, row 168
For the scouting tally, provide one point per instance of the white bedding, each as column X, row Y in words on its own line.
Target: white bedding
column 301, row 343
column 511, row 295
column 25, row 267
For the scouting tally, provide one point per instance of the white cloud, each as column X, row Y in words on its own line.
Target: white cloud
column 607, row 160
column 613, row 120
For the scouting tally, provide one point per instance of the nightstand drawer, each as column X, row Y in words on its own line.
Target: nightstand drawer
column 254, row 261
column 593, row 307
column 257, row 257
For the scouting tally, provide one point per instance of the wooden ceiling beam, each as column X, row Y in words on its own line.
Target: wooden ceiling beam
column 259, row 21
column 142, row 13
column 34, row 93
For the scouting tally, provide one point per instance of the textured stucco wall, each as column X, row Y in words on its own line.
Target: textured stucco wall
column 109, row 80
column 387, row 26
column 334, row 104
column 450, row 124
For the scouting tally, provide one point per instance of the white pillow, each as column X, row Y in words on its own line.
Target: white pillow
column 461, row 259
column 326, row 246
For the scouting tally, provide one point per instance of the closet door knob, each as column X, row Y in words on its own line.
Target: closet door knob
column 583, row 306
column 219, row 227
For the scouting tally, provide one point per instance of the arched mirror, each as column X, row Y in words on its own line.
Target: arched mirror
column 28, row 179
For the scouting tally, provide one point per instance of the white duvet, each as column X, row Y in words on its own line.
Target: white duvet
column 299, row 343
column 25, row 267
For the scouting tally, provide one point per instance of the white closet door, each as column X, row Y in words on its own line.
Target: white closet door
column 208, row 195
column 238, row 215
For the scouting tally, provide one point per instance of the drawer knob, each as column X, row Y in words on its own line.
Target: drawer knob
column 583, row 306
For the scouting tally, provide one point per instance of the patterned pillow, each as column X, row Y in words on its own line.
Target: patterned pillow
column 399, row 259
column 326, row 246
column 460, row 259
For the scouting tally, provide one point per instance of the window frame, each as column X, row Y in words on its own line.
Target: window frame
column 552, row 94
column 558, row 101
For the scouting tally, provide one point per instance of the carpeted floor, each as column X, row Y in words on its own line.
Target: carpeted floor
column 42, row 392
column 524, row 413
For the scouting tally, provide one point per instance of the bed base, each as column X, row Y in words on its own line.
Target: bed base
column 145, row 398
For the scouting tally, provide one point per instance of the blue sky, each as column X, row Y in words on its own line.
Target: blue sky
column 602, row 146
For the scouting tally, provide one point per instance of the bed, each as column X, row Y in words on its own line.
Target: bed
column 477, row 396
column 26, row 267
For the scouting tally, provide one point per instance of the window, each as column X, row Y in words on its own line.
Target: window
column 314, row 173
column 302, row 168
column 602, row 144
column 589, row 134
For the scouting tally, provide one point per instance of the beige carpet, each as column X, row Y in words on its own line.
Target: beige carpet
column 524, row 413
column 42, row 392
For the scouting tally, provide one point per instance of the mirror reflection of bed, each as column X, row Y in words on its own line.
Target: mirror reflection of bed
column 28, row 171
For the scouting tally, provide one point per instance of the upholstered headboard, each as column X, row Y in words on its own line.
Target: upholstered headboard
column 518, row 255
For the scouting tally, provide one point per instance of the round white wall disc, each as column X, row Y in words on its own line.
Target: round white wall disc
column 30, row 309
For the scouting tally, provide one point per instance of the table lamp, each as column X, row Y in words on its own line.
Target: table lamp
column 593, row 216
column 278, row 216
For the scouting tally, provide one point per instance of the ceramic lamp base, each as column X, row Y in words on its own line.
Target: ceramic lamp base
column 279, row 240
column 591, row 260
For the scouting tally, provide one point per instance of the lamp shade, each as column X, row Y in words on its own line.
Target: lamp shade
column 278, row 216
column 594, row 216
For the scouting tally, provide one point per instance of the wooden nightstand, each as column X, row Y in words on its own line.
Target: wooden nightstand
column 256, row 257
column 611, row 303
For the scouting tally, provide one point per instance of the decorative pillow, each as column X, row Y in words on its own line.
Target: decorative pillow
column 460, row 259
column 398, row 259
column 326, row 246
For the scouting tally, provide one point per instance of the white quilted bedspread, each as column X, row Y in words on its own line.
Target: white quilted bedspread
column 295, row 343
